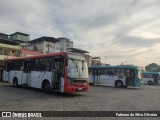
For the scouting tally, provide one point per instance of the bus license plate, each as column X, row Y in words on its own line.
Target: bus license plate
column 79, row 88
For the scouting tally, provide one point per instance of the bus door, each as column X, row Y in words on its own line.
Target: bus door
column 156, row 78
column 26, row 74
column 6, row 74
column 130, row 77
column 57, row 74
column 1, row 74
column 97, row 76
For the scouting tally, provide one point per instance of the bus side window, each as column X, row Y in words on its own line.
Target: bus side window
column 122, row 72
column 50, row 62
column 31, row 65
column 143, row 75
column 117, row 72
column 95, row 72
column 111, row 71
column 153, row 75
column 90, row 72
column 131, row 72
column 102, row 71
column 106, row 72
column 8, row 66
column 36, row 64
column 127, row 73
column 47, row 63
column 16, row 65
column 99, row 72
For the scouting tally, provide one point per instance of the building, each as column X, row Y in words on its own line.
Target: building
column 44, row 45
column 3, row 36
column 50, row 44
column 25, row 53
column 8, row 49
column 19, row 45
column 19, row 37
column 96, row 61
column 65, row 44
column 82, row 52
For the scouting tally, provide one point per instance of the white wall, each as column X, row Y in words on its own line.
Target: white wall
column 64, row 44
column 50, row 47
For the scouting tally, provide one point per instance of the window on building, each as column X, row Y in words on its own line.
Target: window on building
column 35, row 47
column 57, row 48
column 5, row 52
column 1, row 51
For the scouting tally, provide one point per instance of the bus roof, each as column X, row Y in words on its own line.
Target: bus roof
column 103, row 67
column 151, row 72
column 44, row 55
column 39, row 56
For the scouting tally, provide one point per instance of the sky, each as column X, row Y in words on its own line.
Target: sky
column 119, row 31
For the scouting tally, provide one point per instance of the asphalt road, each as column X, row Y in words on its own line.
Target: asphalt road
column 99, row 98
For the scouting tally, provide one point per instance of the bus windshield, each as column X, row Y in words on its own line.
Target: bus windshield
column 77, row 68
column 139, row 74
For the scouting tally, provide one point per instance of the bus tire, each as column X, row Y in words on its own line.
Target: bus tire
column 119, row 84
column 125, row 86
column 91, row 83
column 15, row 82
column 150, row 83
column 46, row 86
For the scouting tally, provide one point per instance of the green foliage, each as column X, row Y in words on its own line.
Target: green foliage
column 153, row 67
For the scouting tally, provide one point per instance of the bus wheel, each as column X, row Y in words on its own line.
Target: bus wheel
column 125, row 86
column 91, row 83
column 15, row 82
column 119, row 84
column 150, row 83
column 46, row 86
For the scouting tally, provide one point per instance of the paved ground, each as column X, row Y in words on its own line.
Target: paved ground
column 99, row 98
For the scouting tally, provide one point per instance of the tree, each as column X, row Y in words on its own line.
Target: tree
column 153, row 67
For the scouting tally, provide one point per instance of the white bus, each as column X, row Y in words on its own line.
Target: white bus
column 63, row 72
column 118, row 76
column 151, row 78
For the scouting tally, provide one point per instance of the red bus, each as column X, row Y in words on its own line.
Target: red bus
column 63, row 72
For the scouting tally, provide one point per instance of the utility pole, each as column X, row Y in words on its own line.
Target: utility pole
column 48, row 45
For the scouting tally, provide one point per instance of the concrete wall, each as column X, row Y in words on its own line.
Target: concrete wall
column 64, row 44
column 9, row 51
column 20, row 37
column 44, row 47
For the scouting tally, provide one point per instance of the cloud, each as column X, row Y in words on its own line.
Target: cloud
column 121, row 30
